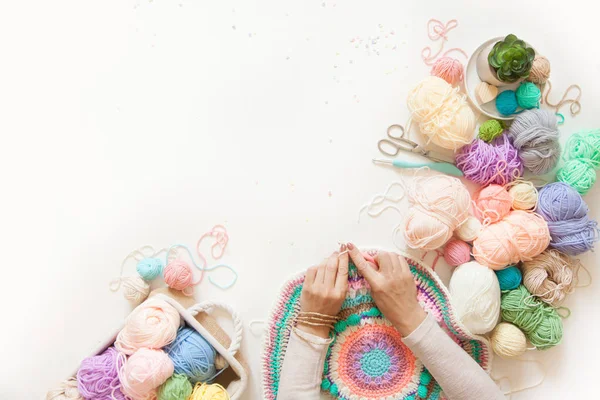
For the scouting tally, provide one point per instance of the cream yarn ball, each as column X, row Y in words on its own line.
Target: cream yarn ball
column 524, row 196
column 475, row 294
column 469, row 230
column 135, row 289
column 508, row 341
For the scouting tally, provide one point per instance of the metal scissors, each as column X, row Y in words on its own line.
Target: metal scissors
column 400, row 143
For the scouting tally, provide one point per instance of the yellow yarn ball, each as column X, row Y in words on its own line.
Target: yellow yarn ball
column 469, row 230
column 524, row 196
column 508, row 341
column 204, row 391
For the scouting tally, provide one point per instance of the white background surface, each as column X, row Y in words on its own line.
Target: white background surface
column 131, row 122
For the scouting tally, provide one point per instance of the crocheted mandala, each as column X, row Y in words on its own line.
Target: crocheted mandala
column 367, row 358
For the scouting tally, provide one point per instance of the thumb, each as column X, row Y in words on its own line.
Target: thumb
column 361, row 264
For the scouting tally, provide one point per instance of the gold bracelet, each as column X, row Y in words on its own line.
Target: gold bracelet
column 316, row 319
column 330, row 326
column 309, row 313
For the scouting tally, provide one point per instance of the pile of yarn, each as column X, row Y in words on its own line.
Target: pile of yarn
column 485, row 163
column 582, row 159
column 98, row 376
column 573, row 231
column 527, row 96
column 457, row 252
column 550, row 276
column 492, row 203
column 535, row 135
column 439, row 205
column 491, row 129
column 524, row 195
column 443, row 114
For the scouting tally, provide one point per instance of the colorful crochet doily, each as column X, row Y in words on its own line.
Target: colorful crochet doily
column 367, row 358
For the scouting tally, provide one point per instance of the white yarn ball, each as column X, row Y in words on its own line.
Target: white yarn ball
column 475, row 293
column 469, row 230
column 135, row 289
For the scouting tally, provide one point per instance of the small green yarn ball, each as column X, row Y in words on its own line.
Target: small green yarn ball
column 177, row 387
column 528, row 96
column 578, row 174
column 490, row 130
column 506, row 102
column 539, row 321
column 509, row 278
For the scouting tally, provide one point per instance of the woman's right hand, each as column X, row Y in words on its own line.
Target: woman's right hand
column 393, row 288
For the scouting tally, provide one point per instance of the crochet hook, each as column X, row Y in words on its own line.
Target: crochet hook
column 446, row 168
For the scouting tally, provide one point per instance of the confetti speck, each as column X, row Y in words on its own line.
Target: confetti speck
column 323, row 4
column 329, row 194
column 233, row 27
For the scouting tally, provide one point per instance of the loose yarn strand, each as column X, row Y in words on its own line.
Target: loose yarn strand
column 575, row 105
column 512, row 391
column 437, row 30
column 578, row 268
column 206, row 269
column 381, row 198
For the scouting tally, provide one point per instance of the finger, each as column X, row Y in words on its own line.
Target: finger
column 341, row 281
column 320, row 277
column 384, row 261
column 331, row 270
column 361, row 264
column 311, row 273
column 403, row 265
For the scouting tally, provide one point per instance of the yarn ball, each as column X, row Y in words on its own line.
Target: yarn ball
column 540, row 322
column 440, row 204
column 573, row 231
column 469, row 230
column 209, row 392
column 506, row 102
column 578, row 174
column 135, row 289
column 582, row 155
column 492, row 203
column 457, row 252
column 152, row 324
column 485, row 163
column 449, row 69
column 143, row 372
column 98, row 376
column 508, row 341
column 540, row 70
column 520, row 236
column 509, row 278
column 550, row 276
column 524, row 196
column 192, row 355
column 484, row 92
column 476, row 296
column 177, row 387
column 150, row 268
column 67, row 390
column 528, row 95
column 535, row 134
column 490, row 130
column 178, row 275
column 443, row 114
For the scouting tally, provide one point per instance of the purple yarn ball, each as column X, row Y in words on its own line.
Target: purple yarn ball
column 485, row 163
column 98, row 376
column 571, row 229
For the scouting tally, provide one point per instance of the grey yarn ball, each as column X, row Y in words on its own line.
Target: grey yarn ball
column 535, row 134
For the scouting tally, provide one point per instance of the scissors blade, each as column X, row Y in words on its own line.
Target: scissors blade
column 437, row 157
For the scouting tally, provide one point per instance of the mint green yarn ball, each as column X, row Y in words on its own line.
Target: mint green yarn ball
column 528, row 95
column 177, row 387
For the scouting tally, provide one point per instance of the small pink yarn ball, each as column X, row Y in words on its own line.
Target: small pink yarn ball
column 178, row 275
column 492, row 203
column 143, row 372
column 457, row 252
column 449, row 69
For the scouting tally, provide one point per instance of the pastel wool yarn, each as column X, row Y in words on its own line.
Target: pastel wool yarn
column 506, row 102
column 150, row 268
column 582, row 159
column 524, row 195
column 192, row 355
column 540, row 322
column 98, row 376
column 535, row 135
column 573, row 231
column 443, row 114
column 484, row 92
column 490, row 130
column 476, row 296
column 520, row 236
column 486, row 163
column 508, row 341
column 449, row 69
column 509, row 278
column 469, row 230
column 439, row 204
column 135, row 289
column 67, row 390
column 153, row 324
column 528, row 95
column 540, row 70
column 457, row 252
column 204, row 391
column 177, row 387
column 144, row 372
column 492, row 203
column 550, row 276
column 178, row 275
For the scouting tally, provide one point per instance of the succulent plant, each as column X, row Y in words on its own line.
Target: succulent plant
column 511, row 58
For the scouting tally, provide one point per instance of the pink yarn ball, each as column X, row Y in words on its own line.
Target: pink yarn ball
column 178, row 275
column 492, row 203
column 457, row 252
column 143, row 372
column 449, row 69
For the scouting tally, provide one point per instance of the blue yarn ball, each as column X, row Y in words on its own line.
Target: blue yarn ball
column 150, row 268
column 192, row 356
column 506, row 102
column 509, row 278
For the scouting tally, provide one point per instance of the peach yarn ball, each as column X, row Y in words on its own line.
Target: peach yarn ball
column 457, row 252
column 143, row 372
column 492, row 203
column 449, row 69
column 178, row 275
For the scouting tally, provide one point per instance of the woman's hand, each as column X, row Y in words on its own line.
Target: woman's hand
column 393, row 289
column 324, row 290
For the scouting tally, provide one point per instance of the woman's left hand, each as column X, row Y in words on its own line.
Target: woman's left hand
column 324, row 290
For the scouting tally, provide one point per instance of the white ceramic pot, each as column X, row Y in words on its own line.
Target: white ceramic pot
column 484, row 70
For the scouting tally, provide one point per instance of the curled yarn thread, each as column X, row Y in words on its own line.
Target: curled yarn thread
column 443, row 115
column 528, row 95
column 492, row 203
column 437, row 30
column 98, row 376
column 524, row 195
column 484, row 92
column 67, row 390
column 153, row 324
column 219, row 233
column 485, row 163
column 520, row 236
column 550, row 276
column 177, row 387
column 575, row 105
column 535, row 135
column 209, row 392
column 582, row 156
column 508, row 341
column 193, row 356
column 144, row 372
column 540, row 70
column 457, row 252
column 572, row 230
column 490, row 130
column 476, row 296
column 469, row 230
column 540, row 322
column 509, row 278
column 506, row 102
